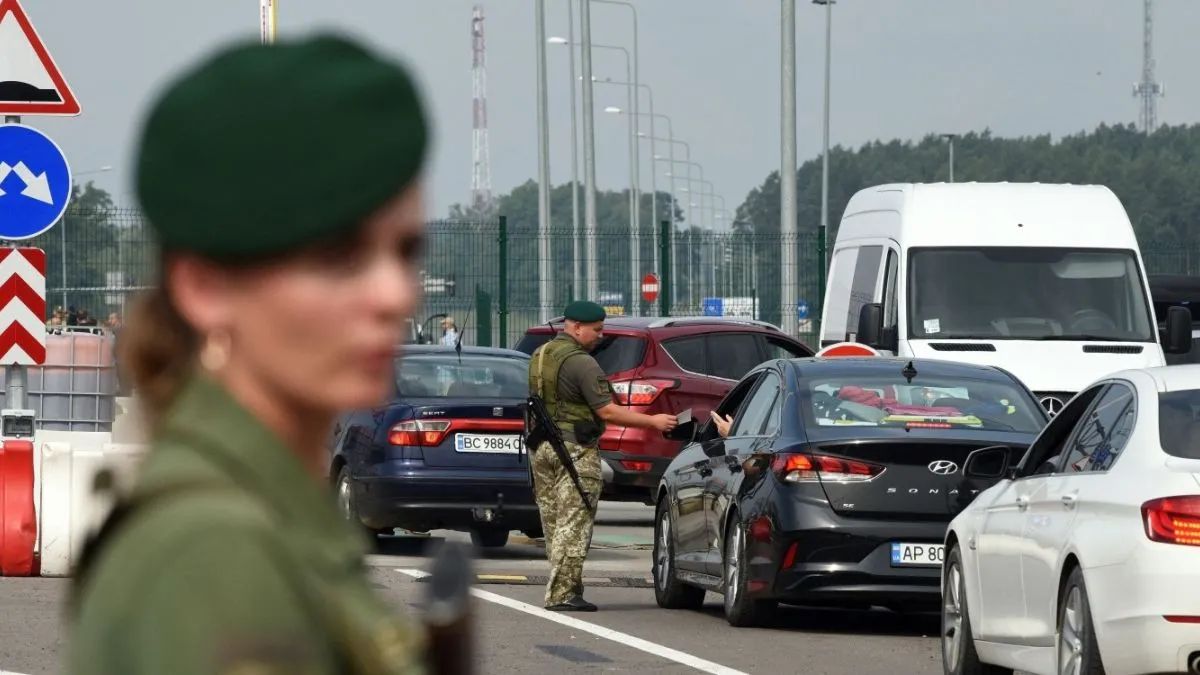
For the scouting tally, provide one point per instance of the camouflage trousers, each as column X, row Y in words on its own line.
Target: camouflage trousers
column 566, row 521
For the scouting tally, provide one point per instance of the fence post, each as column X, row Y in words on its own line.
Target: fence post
column 664, row 281
column 483, row 321
column 503, row 299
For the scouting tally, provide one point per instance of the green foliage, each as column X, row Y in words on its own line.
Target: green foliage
column 1153, row 175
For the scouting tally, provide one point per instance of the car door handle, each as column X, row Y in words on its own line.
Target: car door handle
column 1023, row 502
column 1070, row 500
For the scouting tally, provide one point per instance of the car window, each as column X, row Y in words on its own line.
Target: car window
column 618, row 353
column 841, row 274
column 862, row 287
column 780, row 349
column 444, row 375
column 890, row 302
column 689, row 354
column 1179, row 423
column 531, row 341
column 754, row 414
column 733, row 354
column 893, row 400
column 772, row 424
column 1048, row 446
column 1102, row 434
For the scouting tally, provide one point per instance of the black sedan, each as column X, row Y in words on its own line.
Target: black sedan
column 834, row 485
column 446, row 452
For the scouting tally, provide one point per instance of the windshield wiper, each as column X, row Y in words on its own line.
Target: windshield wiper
column 1082, row 337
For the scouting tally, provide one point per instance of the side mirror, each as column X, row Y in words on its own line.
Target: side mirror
column 870, row 324
column 1178, row 339
column 991, row 462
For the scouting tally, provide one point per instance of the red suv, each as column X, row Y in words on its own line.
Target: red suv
column 667, row 365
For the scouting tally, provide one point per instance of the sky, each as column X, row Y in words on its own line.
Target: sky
column 901, row 69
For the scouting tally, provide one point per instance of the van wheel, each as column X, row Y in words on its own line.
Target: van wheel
column 958, row 643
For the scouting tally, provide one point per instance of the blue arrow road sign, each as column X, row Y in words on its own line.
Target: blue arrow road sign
column 713, row 306
column 801, row 309
column 35, row 182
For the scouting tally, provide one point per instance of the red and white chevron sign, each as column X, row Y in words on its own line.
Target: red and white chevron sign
column 22, row 306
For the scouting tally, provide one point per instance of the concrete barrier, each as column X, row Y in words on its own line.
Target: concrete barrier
column 18, row 515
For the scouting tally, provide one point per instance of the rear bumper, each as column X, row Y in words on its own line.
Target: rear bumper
column 847, row 560
column 622, row 482
column 1130, row 600
column 443, row 500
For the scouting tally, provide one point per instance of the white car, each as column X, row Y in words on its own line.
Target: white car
column 1085, row 558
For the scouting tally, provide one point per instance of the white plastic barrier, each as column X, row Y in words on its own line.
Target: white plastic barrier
column 69, row 507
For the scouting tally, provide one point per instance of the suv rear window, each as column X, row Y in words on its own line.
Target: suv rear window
column 615, row 353
column 1178, row 424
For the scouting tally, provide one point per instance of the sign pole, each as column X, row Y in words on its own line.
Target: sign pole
column 15, row 375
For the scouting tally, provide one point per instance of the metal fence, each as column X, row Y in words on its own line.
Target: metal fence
column 485, row 273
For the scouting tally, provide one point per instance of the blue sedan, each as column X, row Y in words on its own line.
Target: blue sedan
column 446, row 452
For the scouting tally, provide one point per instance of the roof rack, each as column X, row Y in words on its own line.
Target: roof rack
column 683, row 320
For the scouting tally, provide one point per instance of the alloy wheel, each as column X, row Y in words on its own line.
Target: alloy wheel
column 1070, row 641
column 733, row 573
column 952, row 616
column 662, row 557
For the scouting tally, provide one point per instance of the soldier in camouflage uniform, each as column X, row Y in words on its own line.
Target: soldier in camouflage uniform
column 578, row 397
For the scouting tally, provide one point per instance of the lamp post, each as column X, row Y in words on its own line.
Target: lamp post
column 543, row 122
column 951, row 137
column 787, row 170
column 637, row 179
column 589, row 149
column 823, row 233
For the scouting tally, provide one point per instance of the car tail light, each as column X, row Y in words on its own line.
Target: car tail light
column 636, row 466
column 789, row 558
column 1181, row 618
column 1173, row 520
column 424, row 433
column 640, row 392
column 794, row 468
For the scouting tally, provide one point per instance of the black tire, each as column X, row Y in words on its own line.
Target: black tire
column 1078, row 651
column 958, row 641
column 669, row 591
column 345, row 497
column 489, row 538
column 741, row 610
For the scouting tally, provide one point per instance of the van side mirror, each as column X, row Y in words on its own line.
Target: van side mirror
column 1178, row 339
column 990, row 462
column 870, row 324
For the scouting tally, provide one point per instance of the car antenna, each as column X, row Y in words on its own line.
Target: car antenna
column 909, row 372
column 461, row 333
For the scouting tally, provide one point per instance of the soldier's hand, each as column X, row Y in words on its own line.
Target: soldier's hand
column 664, row 422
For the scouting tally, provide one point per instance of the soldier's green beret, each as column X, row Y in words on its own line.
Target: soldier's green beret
column 262, row 149
column 584, row 312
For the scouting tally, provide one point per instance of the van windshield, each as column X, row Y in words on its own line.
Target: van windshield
column 1027, row 293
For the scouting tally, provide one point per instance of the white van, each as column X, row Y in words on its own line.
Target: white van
column 1045, row 281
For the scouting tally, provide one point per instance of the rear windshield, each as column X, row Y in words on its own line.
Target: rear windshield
column 615, row 353
column 444, row 376
column 887, row 401
column 1179, row 423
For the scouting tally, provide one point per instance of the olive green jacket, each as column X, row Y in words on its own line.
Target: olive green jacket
column 234, row 560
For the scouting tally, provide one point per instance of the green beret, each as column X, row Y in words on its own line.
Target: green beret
column 263, row 149
column 584, row 312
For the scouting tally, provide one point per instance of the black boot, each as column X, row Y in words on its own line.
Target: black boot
column 575, row 604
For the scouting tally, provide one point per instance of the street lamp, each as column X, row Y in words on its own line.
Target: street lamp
column 543, row 122
column 823, row 233
column 575, row 263
column 951, row 137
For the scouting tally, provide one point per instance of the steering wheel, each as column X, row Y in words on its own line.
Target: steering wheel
column 1092, row 320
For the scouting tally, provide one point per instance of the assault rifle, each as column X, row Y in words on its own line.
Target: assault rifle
column 540, row 428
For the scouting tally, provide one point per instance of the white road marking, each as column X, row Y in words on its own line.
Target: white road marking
column 599, row 631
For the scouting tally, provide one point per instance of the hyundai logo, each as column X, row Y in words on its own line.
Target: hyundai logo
column 1052, row 404
column 943, row 467
column 497, row 412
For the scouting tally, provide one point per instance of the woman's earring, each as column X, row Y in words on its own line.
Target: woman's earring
column 215, row 352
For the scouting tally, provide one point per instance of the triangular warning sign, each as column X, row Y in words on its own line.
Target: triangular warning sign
column 30, row 83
